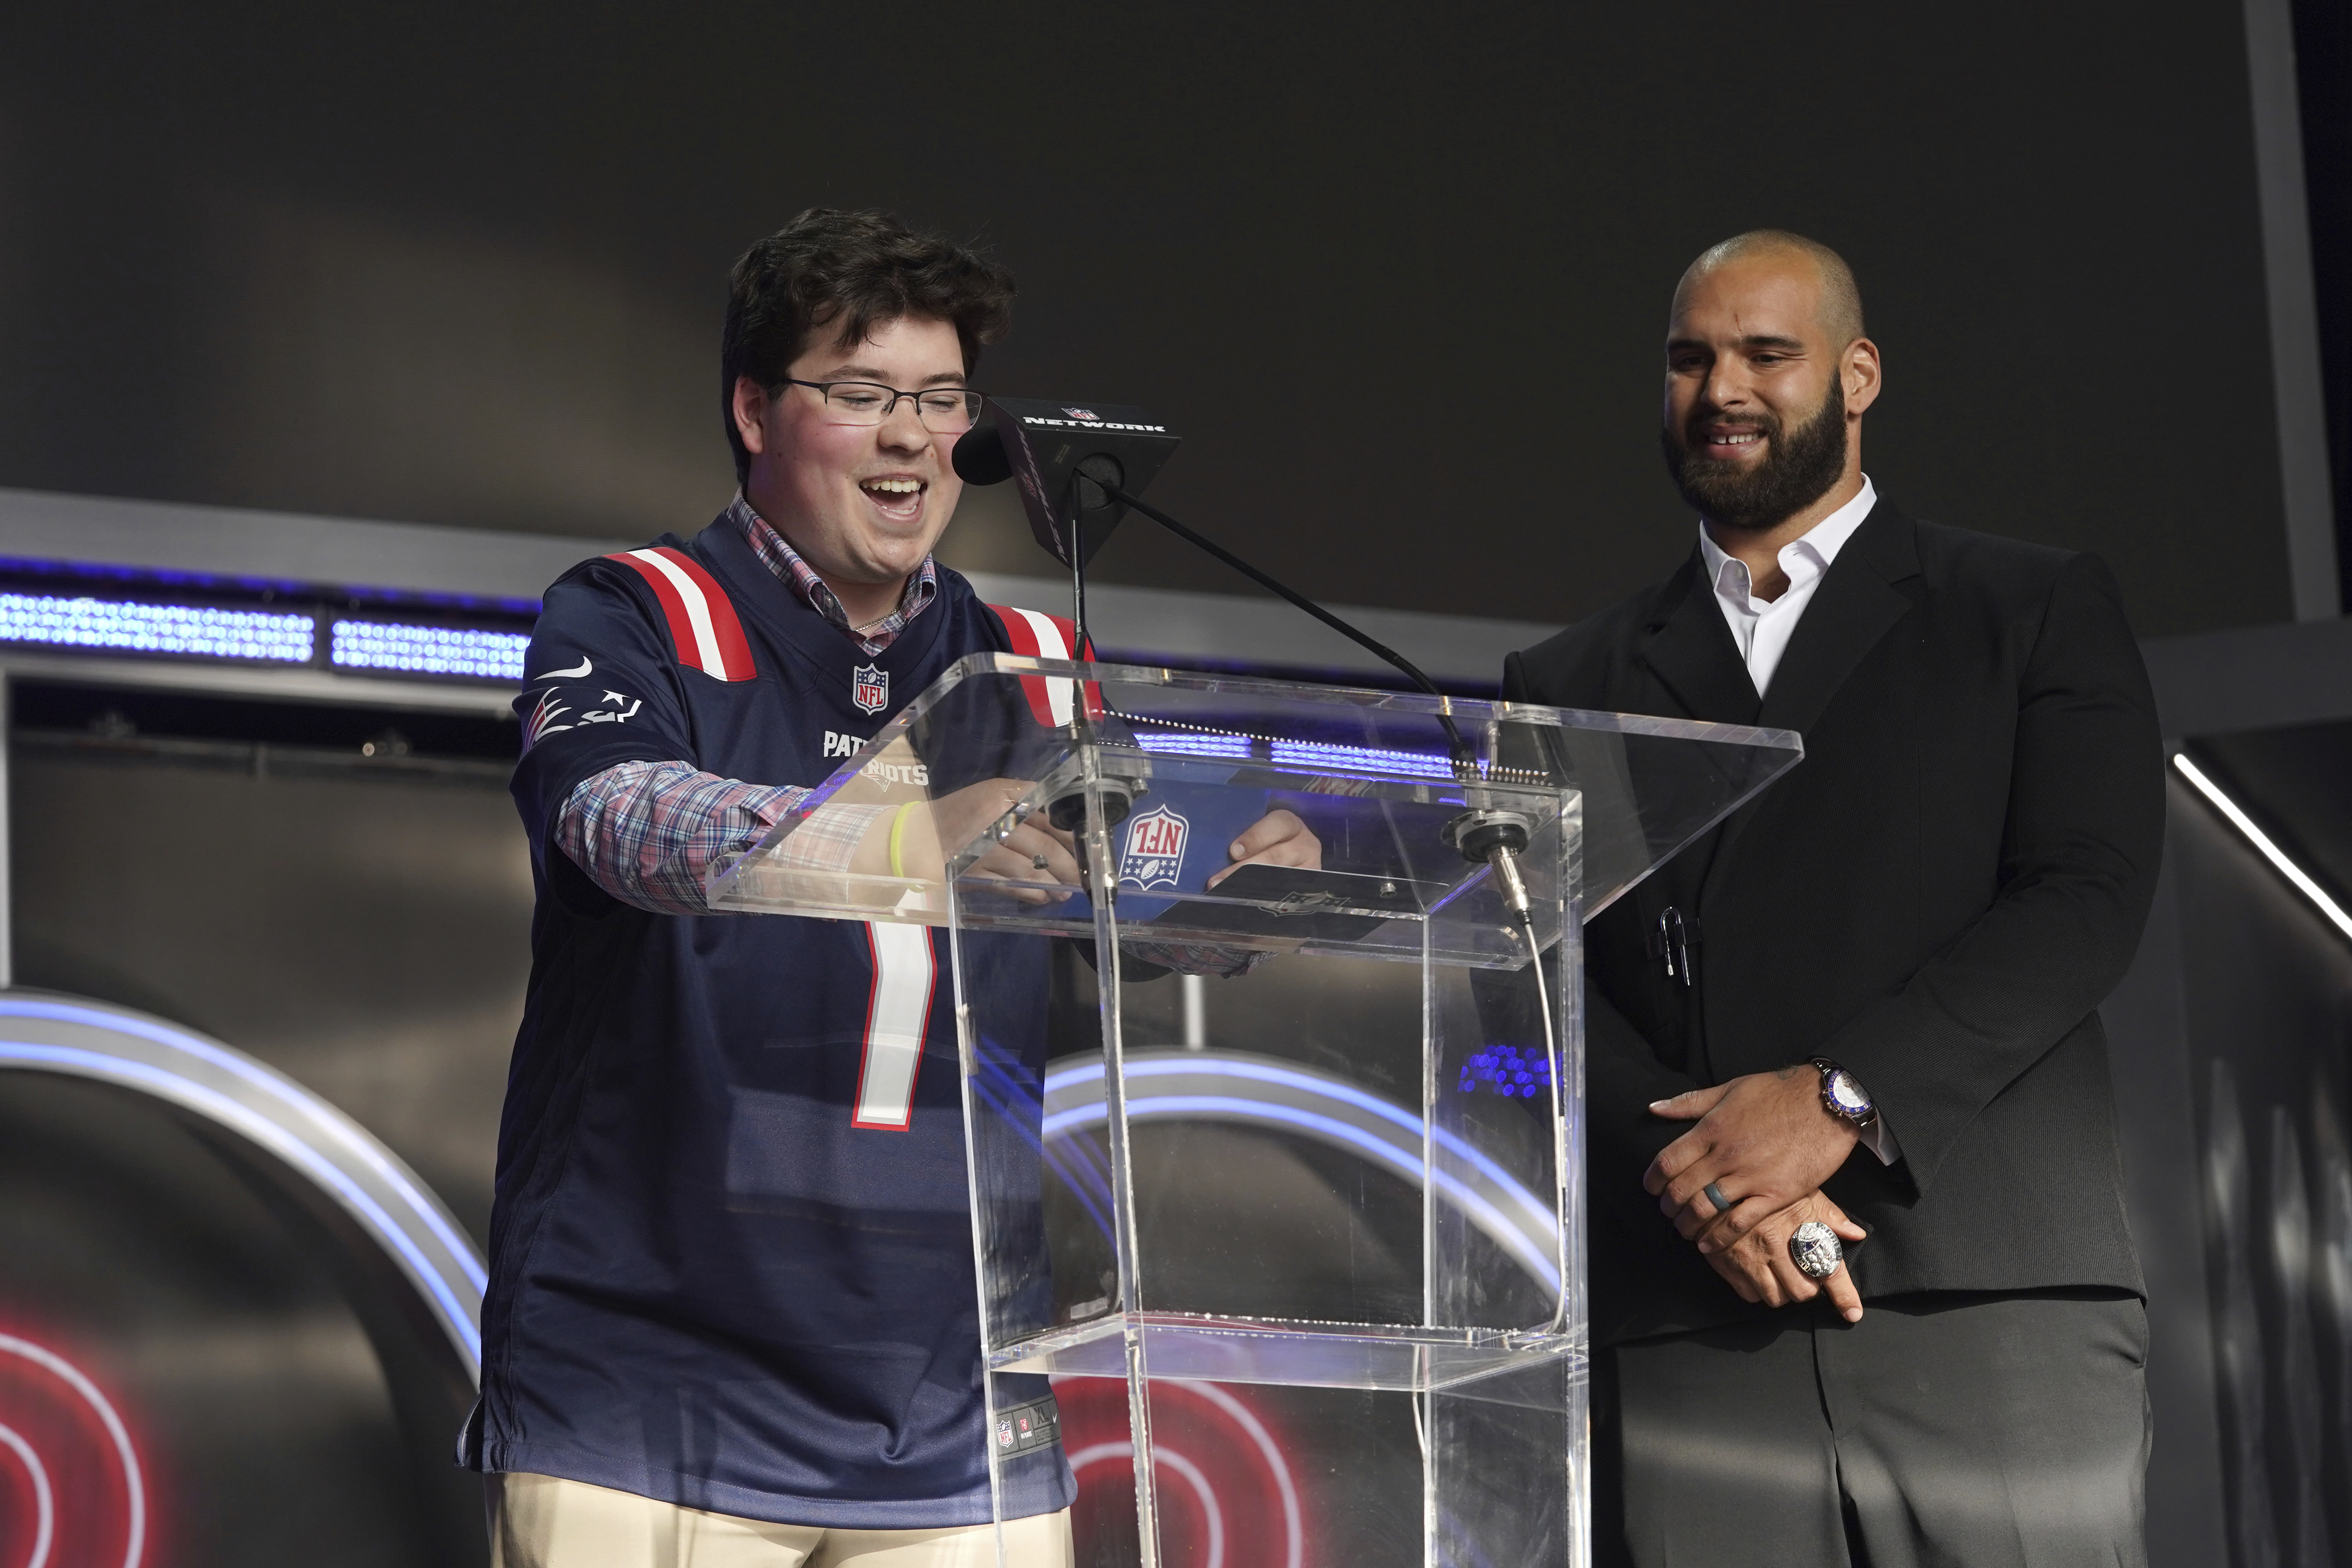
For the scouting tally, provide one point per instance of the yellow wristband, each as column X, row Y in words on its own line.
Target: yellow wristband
column 898, row 837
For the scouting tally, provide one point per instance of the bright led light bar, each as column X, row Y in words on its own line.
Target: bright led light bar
column 2261, row 842
column 1194, row 745
column 1314, row 753
column 429, row 650
column 60, row 620
column 1299, row 753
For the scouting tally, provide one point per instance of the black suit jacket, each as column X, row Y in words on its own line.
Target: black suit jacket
column 1939, row 897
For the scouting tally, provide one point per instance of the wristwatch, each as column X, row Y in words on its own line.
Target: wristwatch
column 1843, row 1096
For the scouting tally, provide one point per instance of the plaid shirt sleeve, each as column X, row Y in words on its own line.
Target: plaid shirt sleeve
column 648, row 833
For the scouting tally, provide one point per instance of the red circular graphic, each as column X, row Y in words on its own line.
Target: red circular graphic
column 71, row 1492
column 1227, row 1497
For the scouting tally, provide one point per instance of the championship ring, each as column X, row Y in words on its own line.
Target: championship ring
column 1815, row 1248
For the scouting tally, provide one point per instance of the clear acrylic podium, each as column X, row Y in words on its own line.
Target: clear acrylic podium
column 1299, row 1244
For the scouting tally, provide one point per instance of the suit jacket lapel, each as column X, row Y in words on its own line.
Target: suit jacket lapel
column 1855, row 607
column 1690, row 648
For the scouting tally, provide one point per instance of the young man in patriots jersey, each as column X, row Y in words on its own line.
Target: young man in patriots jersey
column 731, row 1315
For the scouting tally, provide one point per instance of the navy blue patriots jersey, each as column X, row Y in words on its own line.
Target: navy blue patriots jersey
column 730, row 1255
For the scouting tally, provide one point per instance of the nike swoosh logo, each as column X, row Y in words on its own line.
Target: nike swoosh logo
column 585, row 666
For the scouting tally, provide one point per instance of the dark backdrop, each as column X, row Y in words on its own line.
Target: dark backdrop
column 1398, row 272
column 2322, row 57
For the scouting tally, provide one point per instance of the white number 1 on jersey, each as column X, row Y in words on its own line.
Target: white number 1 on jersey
column 901, row 1001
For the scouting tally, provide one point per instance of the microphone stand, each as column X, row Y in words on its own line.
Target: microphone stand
column 1483, row 833
column 1464, row 764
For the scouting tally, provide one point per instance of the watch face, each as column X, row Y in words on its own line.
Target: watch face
column 1847, row 1094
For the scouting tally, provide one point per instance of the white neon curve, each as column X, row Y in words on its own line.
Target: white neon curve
column 2261, row 842
column 1529, row 1235
column 44, row 1510
column 1182, row 1467
column 456, row 1301
column 69, row 1374
column 1293, row 1525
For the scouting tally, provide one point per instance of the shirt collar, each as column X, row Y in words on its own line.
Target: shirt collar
column 1803, row 558
column 786, row 562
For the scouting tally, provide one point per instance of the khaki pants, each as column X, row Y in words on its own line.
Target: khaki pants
column 541, row 1522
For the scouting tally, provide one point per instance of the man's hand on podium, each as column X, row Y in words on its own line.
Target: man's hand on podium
column 1278, row 838
column 1034, row 851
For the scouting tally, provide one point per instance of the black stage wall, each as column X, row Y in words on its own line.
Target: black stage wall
column 1399, row 272
column 2234, row 1087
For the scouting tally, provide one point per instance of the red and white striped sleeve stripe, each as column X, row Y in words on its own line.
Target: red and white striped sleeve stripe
column 702, row 624
column 1046, row 636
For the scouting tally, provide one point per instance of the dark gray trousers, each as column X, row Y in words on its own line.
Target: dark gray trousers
column 1989, row 1431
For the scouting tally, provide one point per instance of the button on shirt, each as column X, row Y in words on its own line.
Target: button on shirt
column 1761, row 629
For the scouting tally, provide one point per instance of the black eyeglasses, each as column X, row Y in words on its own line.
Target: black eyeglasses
column 944, row 410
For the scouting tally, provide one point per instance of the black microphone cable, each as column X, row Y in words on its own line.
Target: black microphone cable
column 1465, row 765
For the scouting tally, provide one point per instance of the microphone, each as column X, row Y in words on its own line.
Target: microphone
column 1064, row 458
column 1079, row 467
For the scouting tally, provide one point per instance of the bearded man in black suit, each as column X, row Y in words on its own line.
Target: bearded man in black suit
column 1862, row 1286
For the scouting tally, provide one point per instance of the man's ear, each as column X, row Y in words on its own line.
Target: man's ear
column 1861, row 372
column 750, row 410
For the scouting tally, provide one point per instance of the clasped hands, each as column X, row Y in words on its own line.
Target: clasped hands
column 1766, row 1142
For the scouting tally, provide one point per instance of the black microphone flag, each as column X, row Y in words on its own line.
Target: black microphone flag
column 1063, row 456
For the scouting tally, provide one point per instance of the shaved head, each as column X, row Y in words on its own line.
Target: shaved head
column 1767, row 377
column 1840, row 300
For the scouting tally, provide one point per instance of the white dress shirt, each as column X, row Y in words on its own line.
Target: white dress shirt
column 1762, row 628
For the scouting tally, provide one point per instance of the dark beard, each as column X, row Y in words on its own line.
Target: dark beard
column 1798, row 469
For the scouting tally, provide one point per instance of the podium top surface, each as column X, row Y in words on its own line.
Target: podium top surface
column 1153, row 772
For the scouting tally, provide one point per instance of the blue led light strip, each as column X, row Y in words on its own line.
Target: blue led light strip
column 197, row 631
column 1299, row 753
column 1194, row 745
column 1372, row 758
column 429, row 650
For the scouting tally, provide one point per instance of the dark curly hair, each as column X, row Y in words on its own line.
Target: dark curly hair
column 852, row 272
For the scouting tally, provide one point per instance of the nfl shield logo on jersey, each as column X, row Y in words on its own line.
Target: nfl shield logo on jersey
column 869, row 687
column 1154, row 854
column 1004, row 1432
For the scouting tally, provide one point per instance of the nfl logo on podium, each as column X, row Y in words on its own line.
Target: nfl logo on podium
column 1154, row 853
column 869, row 687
